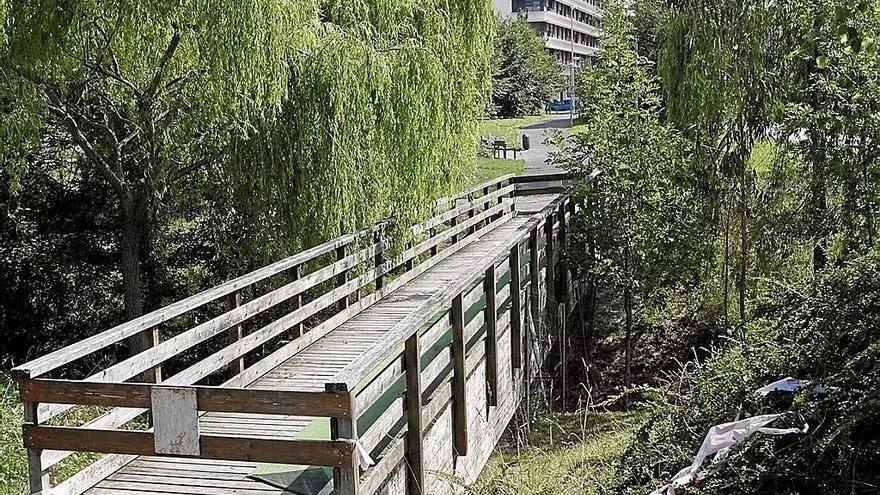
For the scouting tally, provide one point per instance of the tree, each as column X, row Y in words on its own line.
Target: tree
column 639, row 229
column 526, row 76
column 295, row 119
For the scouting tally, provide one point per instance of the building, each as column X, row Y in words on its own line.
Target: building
column 571, row 28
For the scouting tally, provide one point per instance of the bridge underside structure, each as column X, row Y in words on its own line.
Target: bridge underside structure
column 285, row 379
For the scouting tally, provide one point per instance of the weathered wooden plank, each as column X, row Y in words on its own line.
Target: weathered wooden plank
column 235, row 333
column 38, row 479
column 491, row 317
column 459, row 380
column 92, row 474
column 515, row 307
column 309, row 452
column 234, row 400
column 414, row 442
column 296, row 301
column 342, row 278
column 346, row 475
column 61, row 357
column 175, row 416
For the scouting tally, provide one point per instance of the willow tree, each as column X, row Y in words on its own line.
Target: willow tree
column 379, row 118
column 320, row 115
column 715, row 69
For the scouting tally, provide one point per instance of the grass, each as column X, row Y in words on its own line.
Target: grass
column 566, row 453
column 489, row 168
column 509, row 129
column 13, row 458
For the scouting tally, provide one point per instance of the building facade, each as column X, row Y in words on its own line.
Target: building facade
column 571, row 28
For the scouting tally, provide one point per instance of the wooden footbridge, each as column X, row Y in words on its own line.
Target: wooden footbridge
column 343, row 369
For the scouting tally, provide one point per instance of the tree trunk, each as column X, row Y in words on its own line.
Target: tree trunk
column 628, row 310
column 725, row 276
column 135, row 214
column 744, row 248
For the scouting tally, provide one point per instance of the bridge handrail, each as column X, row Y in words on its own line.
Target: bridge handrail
column 441, row 235
column 401, row 357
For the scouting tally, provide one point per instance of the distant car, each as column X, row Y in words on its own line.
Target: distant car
column 559, row 106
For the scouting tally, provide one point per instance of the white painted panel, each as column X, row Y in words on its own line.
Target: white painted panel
column 175, row 420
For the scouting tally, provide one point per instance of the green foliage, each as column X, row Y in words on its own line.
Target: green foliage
column 822, row 332
column 640, row 223
column 562, row 453
column 526, row 76
column 210, row 138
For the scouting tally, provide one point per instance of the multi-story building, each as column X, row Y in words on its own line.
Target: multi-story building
column 571, row 28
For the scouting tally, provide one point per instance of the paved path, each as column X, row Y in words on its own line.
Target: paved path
column 536, row 157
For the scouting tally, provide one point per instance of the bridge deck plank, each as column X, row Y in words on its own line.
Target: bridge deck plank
column 308, row 370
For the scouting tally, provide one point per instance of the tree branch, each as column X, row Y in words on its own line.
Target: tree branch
column 57, row 107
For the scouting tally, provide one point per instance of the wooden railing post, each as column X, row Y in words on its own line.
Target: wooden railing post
column 38, row 480
column 433, row 232
column 296, row 303
column 452, row 224
column 155, row 339
column 342, row 278
column 235, row 333
column 486, row 207
column 563, row 243
column 515, row 307
column 549, row 253
column 346, row 479
column 535, row 277
column 379, row 258
column 415, row 457
column 459, row 378
column 410, row 263
column 471, row 214
column 491, row 318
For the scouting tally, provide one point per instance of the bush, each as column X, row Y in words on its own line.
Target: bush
column 825, row 332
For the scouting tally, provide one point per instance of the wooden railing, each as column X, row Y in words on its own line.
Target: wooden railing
column 460, row 326
column 234, row 333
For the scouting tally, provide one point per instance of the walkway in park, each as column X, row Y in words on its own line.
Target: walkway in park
column 536, row 157
column 317, row 368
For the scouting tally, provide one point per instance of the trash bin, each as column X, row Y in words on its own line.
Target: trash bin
column 526, row 143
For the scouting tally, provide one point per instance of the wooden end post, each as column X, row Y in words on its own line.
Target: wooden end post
column 459, row 378
column 235, row 333
column 491, row 317
column 38, row 480
column 346, row 479
column 342, row 278
column 515, row 307
column 296, row 302
column 156, row 373
column 414, row 442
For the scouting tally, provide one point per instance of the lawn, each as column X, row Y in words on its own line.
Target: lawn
column 509, row 129
column 489, row 168
column 564, row 454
